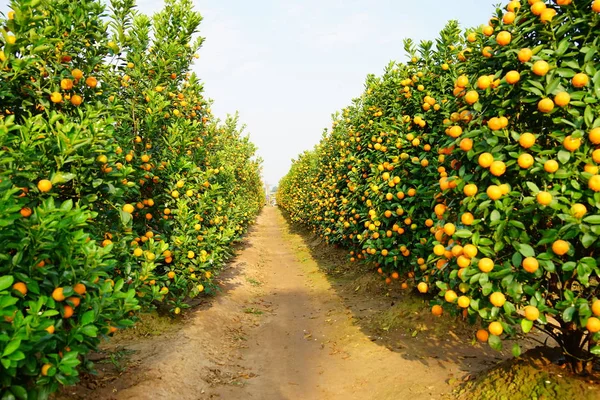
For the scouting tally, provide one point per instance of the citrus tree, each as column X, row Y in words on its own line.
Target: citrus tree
column 102, row 123
column 509, row 111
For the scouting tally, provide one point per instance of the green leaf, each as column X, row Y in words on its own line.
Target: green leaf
column 463, row 233
column 526, row 325
column 564, row 156
column 588, row 116
column 87, row 318
column 495, row 342
column 568, row 314
column 11, row 347
column 495, row 216
column 595, row 350
column 516, row 350
column 592, row 219
column 588, row 239
column 6, row 281
column 525, row 249
column 19, row 392
column 532, row 187
column 90, row 330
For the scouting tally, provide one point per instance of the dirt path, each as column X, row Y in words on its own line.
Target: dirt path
column 279, row 330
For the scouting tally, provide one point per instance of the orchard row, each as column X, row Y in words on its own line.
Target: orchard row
column 471, row 172
column 119, row 190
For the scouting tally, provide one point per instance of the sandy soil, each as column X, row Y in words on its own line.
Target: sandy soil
column 282, row 329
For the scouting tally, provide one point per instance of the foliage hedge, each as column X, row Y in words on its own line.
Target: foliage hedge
column 119, row 190
column 471, row 172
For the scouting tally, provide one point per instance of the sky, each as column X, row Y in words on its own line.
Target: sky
column 287, row 66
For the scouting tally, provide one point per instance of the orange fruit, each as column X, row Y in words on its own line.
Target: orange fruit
column 466, row 144
column 455, row 131
column 422, row 287
column 494, row 124
column 45, row 369
column 570, row 143
column 545, row 105
column 562, row 99
column 540, row 68
column 512, row 77
column 578, row 210
column 50, row 329
column 509, row 18
column 457, row 250
column 67, row 311
column 593, row 136
column 482, row 335
column 513, row 6
column 470, row 250
column 525, row 55
column 462, row 261
column 560, row 247
column 580, row 80
column 531, row 313
column 20, row 287
column 488, row 30
column 25, row 212
column 467, row 218
column 484, row 82
column 462, row 81
column 485, row 160
column 498, row 168
column 596, row 307
column 495, row 328
column 594, row 183
column 439, row 209
column 551, row 166
column 77, row 73
column 75, row 301
column 76, row 100
column 503, row 38
column 79, row 288
column 494, row 192
column 470, row 190
column 449, row 229
column 544, row 198
column 596, row 6
column 437, row 310
column 487, row 52
column 58, row 295
column 497, row 299
column 530, row 264
column 593, row 324
column 128, row 208
column 44, row 185
column 450, row 296
column 538, row 8
column 471, row 97
column 66, row 84
column 527, row 140
column 547, row 15
column 525, row 161
column 56, row 97
column 485, row 265
column 91, row 82
column 464, row 301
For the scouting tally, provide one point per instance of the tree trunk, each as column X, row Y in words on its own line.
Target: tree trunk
column 579, row 360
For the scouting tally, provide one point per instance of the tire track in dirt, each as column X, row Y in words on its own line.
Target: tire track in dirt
column 277, row 331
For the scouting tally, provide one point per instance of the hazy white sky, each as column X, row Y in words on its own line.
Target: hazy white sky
column 286, row 66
